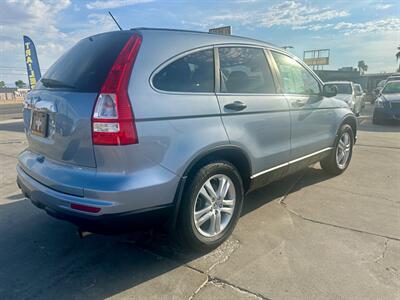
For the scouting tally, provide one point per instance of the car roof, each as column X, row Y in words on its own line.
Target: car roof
column 213, row 38
column 396, row 81
column 347, row 82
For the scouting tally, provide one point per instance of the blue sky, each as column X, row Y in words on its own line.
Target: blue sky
column 355, row 30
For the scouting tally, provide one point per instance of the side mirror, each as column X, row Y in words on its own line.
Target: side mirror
column 329, row 91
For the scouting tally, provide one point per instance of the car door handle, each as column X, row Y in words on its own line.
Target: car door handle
column 236, row 105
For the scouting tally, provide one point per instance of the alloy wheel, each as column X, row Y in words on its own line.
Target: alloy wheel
column 343, row 150
column 214, row 205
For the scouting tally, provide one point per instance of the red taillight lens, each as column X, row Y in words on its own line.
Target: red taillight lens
column 85, row 208
column 112, row 121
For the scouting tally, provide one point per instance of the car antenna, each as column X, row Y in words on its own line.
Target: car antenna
column 114, row 20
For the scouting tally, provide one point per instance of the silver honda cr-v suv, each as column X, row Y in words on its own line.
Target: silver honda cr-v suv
column 150, row 126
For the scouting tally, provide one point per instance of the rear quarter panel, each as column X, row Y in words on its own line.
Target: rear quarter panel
column 173, row 128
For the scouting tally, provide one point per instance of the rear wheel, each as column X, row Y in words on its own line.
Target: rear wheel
column 211, row 206
column 376, row 120
column 339, row 158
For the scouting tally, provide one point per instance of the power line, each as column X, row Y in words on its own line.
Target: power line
column 17, row 68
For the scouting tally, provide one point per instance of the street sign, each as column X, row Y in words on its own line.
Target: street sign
column 226, row 30
column 317, row 61
column 316, row 58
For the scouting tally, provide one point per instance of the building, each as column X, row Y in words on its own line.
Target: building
column 12, row 94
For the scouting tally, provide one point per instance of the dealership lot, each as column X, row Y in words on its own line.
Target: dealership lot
column 309, row 236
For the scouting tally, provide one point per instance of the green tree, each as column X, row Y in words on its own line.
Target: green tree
column 2, row 84
column 20, row 84
column 362, row 67
column 398, row 58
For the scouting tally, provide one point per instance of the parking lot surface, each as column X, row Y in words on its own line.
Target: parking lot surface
column 309, row 236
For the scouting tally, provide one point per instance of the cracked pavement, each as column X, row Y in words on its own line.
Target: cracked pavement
column 309, row 236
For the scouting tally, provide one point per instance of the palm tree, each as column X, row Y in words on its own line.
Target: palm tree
column 362, row 67
column 398, row 58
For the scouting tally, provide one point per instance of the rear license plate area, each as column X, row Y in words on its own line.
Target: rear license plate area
column 39, row 122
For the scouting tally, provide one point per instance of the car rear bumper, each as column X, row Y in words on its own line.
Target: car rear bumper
column 58, row 205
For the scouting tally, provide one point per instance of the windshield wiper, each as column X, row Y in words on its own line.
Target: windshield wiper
column 52, row 83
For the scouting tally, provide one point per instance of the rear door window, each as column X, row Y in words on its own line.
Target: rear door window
column 193, row 73
column 245, row 70
column 295, row 78
column 85, row 66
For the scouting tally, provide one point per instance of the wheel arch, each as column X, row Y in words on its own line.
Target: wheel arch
column 352, row 121
column 233, row 154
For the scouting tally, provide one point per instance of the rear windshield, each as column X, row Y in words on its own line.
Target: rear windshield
column 85, row 66
column 393, row 78
column 342, row 88
column 392, row 87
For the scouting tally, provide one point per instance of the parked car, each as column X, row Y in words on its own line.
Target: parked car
column 378, row 89
column 152, row 126
column 387, row 106
column 380, row 85
column 348, row 94
column 360, row 93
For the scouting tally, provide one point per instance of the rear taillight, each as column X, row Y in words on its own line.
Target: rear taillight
column 86, row 208
column 112, row 121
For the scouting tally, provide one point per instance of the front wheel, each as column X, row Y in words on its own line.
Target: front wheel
column 211, row 206
column 339, row 158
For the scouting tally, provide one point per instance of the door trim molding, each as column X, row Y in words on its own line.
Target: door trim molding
column 289, row 162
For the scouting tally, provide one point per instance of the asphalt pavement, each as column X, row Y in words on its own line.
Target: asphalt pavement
column 10, row 111
column 309, row 236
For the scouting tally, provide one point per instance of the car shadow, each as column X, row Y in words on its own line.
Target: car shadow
column 41, row 257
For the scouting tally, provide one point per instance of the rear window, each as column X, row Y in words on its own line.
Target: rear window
column 392, row 87
column 342, row 88
column 393, row 78
column 85, row 66
column 193, row 73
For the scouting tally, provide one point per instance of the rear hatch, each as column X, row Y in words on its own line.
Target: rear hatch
column 58, row 112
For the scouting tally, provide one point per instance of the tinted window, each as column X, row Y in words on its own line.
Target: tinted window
column 295, row 78
column 392, row 87
column 245, row 70
column 85, row 66
column 191, row 73
column 343, row 88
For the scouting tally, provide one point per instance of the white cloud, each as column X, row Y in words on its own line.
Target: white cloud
column 314, row 27
column 384, row 25
column 382, row 6
column 114, row 3
column 7, row 46
column 289, row 13
column 246, row 1
column 292, row 13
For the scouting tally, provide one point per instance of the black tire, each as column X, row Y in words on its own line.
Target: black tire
column 376, row 120
column 330, row 164
column 187, row 233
